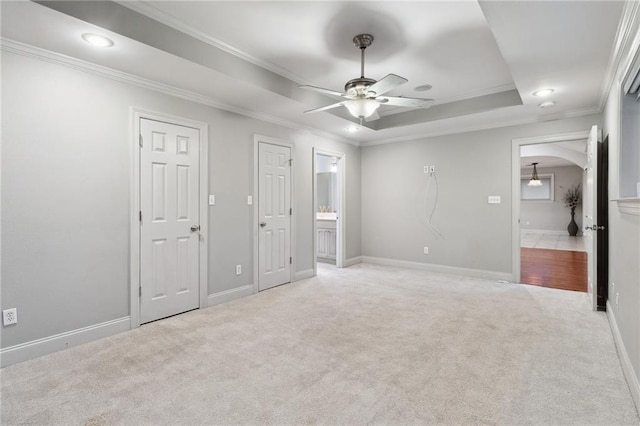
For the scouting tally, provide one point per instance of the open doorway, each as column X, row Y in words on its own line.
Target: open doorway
column 328, row 212
column 552, row 251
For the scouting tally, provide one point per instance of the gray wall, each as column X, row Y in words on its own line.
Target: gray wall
column 470, row 167
column 552, row 215
column 65, row 194
column 624, row 243
column 629, row 169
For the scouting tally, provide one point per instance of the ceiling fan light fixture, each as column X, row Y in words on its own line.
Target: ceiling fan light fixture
column 362, row 108
column 547, row 104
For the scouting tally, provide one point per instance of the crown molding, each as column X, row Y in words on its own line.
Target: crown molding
column 26, row 50
column 485, row 126
column 624, row 42
column 147, row 9
column 476, row 94
column 29, row 51
column 461, row 97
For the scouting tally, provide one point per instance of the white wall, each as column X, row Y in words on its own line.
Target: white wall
column 624, row 248
column 552, row 215
column 470, row 167
column 65, row 194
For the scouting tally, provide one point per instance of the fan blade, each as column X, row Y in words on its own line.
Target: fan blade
column 323, row 91
column 324, row 108
column 406, row 102
column 372, row 117
column 387, row 83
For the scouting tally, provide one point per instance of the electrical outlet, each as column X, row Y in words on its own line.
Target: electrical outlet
column 426, row 169
column 212, row 200
column 238, row 269
column 250, row 200
column 426, row 250
column 10, row 316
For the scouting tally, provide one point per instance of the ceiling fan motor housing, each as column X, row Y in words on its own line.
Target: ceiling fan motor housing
column 358, row 87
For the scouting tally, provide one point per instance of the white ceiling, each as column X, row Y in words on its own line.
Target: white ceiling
column 502, row 51
column 448, row 45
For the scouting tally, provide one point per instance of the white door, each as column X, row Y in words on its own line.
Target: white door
column 274, row 233
column 169, row 249
column 590, row 207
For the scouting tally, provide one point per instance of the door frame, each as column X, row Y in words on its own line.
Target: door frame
column 340, row 223
column 136, row 114
column 257, row 139
column 515, row 188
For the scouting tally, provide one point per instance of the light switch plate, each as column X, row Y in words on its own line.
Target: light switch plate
column 249, row 200
column 212, row 200
column 494, row 199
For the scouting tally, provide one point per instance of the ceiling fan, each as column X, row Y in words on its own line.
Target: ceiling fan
column 363, row 96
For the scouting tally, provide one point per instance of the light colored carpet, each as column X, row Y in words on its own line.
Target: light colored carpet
column 366, row 344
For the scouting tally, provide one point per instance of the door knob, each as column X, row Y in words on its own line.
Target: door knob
column 195, row 228
column 263, row 224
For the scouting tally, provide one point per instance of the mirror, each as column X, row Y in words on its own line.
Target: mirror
column 327, row 192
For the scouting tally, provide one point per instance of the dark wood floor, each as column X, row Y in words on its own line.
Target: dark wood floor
column 566, row 270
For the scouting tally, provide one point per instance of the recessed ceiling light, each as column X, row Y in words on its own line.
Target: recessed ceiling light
column 547, row 104
column 423, row 88
column 97, row 40
column 543, row 92
column 352, row 129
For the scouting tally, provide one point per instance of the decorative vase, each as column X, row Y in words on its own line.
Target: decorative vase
column 573, row 226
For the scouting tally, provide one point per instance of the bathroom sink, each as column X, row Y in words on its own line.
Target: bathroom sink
column 326, row 216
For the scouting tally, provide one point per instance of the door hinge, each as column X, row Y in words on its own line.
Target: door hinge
column 290, row 161
column 290, row 211
column 290, row 260
column 140, row 216
column 140, row 291
column 140, row 140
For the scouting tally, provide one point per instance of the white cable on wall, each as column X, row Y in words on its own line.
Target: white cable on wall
column 428, row 216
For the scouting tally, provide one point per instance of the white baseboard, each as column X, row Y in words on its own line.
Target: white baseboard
column 476, row 273
column 35, row 348
column 352, row 261
column 625, row 362
column 229, row 295
column 303, row 275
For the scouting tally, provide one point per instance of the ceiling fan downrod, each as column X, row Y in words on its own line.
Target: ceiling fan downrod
column 362, row 41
